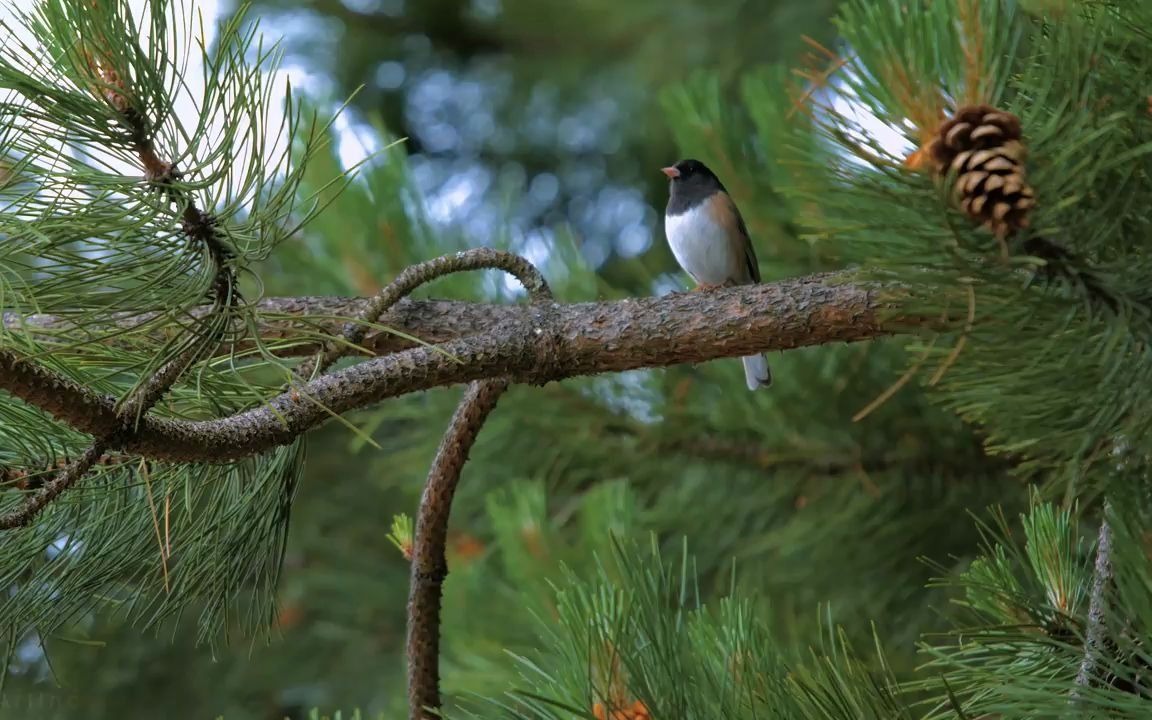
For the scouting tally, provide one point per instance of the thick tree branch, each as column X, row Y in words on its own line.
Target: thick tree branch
column 301, row 318
column 533, row 344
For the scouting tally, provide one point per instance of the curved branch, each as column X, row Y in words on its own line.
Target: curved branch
column 429, row 565
column 536, row 344
column 413, row 277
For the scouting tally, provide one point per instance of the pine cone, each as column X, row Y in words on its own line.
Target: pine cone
column 982, row 146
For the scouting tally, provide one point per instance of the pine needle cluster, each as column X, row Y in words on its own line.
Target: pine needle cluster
column 909, row 528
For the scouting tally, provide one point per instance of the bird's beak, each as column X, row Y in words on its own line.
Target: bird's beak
column 670, row 172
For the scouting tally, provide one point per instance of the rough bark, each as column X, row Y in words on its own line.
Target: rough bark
column 429, row 563
column 430, row 321
column 528, row 344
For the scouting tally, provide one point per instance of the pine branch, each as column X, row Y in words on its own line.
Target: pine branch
column 1095, row 639
column 34, row 477
column 534, row 345
column 63, row 480
column 300, row 320
column 200, row 229
column 429, row 562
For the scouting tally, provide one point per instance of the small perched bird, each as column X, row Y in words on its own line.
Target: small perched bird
column 710, row 241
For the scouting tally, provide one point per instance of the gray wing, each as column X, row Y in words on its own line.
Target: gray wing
column 749, row 251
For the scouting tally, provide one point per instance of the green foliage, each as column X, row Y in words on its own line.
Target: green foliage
column 1075, row 84
column 639, row 630
column 91, row 108
column 639, row 627
column 1052, row 373
column 1018, row 652
column 1086, row 131
column 581, row 498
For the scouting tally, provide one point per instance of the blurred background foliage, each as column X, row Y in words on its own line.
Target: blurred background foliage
column 540, row 126
column 524, row 116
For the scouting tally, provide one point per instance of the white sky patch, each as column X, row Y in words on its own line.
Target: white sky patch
column 869, row 130
column 62, row 544
column 195, row 23
column 536, row 246
column 458, row 193
column 356, row 142
column 864, row 127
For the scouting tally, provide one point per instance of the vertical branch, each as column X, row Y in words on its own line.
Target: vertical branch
column 1094, row 638
column 429, row 564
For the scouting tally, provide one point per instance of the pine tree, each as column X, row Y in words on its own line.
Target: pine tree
column 947, row 523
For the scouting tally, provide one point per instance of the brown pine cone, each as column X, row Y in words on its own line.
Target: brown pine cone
column 974, row 127
column 981, row 146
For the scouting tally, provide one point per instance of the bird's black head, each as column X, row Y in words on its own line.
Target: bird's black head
column 691, row 182
column 689, row 170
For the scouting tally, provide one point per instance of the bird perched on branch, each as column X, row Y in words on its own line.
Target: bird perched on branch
column 711, row 242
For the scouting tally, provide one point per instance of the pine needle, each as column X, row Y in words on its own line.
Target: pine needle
column 955, row 353
column 894, row 387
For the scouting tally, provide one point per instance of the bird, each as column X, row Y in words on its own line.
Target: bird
column 710, row 241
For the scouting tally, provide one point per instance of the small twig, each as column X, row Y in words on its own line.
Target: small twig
column 160, row 537
column 952, row 356
column 34, row 476
column 894, row 387
column 1095, row 638
column 52, row 489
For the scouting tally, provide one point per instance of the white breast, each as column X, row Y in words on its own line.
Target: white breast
column 701, row 247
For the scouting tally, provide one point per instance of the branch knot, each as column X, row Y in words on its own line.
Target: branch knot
column 543, row 329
